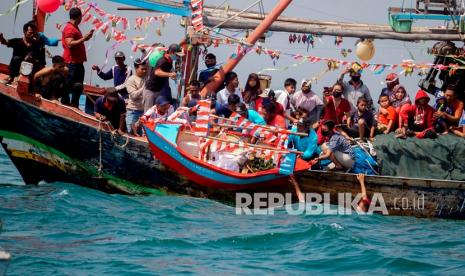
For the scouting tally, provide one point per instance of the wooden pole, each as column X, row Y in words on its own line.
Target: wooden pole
column 247, row 144
column 214, row 16
column 253, row 37
column 342, row 29
column 272, row 129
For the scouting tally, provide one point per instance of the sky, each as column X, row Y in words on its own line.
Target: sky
column 360, row 11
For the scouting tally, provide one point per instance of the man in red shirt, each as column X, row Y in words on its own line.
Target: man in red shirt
column 455, row 104
column 74, row 53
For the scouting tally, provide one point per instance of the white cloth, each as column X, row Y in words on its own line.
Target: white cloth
column 222, row 96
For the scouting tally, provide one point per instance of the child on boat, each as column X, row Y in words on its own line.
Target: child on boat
column 386, row 116
column 251, row 90
column 440, row 124
column 361, row 121
column 418, row 119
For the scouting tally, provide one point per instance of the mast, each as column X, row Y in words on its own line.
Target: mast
column 38, row 16
column 252, row 39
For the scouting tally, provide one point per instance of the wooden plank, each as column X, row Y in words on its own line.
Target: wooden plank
column 249, row 20
column 337, row 30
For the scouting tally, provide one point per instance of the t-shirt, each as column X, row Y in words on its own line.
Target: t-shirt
column 118, row 74
column 277, row 121
column 386, row 92
column 77, row 54
column 367, row 116
column 222, row 96
column 284, row 99
column 222, row 110
column 306, row 144
column 384, row 119
column 337, row 142
column 259, row 104
column 336, row 114
column 352, row 94
column 206, row 74
column 135, row 87
column 114, row 113
column 307, row 102
column 255, row 118
column 462, row 120
column 155, row 83
column 36, row 50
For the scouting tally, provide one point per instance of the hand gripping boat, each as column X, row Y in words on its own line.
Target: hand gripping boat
column 178, row 149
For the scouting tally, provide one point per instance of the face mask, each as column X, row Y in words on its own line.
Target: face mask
column 355, row 78
column 324, row 132
column 174, row 57
column 337, row 94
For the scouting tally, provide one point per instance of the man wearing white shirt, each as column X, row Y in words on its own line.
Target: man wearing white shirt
column 232, row 83
column 284, row 98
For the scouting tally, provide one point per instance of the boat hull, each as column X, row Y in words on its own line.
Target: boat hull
column 402, row 196
column 49, row 142
column 204, row 174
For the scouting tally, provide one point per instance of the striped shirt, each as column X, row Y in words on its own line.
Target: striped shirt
column 337, row 142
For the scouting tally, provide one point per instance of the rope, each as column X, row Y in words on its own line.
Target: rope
column 236, row 15
column 100, row 167
column 114, row 136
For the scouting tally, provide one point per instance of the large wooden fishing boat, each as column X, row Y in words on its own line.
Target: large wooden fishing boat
column 49, row 141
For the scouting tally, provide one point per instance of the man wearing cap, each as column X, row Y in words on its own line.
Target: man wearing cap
column 355, row 88
column 74, row 53
column 119, row 73
column 158, row 80
column 391, row 81
column 306, row 100
column 112, row 108
column 210, row 63
column 160, row 111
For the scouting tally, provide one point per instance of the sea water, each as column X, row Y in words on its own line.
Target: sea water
column 64, row 229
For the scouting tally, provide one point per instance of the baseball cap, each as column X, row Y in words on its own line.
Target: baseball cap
column 161, row 100
column 175, row 48
column 392, row 77
column 119, row 54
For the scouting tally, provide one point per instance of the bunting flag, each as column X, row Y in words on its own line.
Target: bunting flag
column 197, row 15
column 203, row 116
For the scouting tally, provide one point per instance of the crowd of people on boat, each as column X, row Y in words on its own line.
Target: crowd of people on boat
column 345, row 112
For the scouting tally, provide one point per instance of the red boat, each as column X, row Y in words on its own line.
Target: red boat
column 179, row 150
